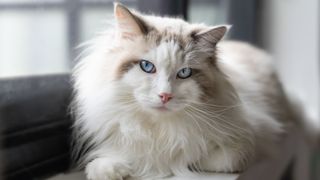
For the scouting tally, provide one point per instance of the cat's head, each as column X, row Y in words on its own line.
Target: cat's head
column 167, row 63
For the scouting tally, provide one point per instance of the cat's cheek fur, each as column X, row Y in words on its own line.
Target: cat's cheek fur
column 188, row 92
column 140, row 84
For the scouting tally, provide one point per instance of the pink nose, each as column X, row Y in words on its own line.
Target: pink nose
column 165, row 97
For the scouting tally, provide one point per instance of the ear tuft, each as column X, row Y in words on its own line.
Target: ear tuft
column 129, row 25
column 120, row 11
column 213, row 35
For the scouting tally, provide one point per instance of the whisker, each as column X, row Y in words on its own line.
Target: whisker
column 210, row 104
column 218, row 126
column 193, row 119
column 203, row 119
column 220, row 118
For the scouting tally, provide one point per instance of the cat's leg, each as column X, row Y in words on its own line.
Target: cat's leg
column 107, row 168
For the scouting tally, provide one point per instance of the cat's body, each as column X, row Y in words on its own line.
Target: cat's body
column 219, row 118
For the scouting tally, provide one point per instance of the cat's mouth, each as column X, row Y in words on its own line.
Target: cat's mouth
column 161, row 108
column 166, row 108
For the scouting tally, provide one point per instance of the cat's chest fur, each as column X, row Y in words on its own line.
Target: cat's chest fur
column 163, row 142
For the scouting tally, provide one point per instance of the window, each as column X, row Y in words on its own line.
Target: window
column 40, row 37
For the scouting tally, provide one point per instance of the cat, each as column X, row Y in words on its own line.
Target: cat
column 157, row 97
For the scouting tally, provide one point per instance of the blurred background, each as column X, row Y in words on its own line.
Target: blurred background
column 38, row 40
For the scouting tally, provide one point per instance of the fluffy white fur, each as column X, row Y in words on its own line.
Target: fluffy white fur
column 120, row 130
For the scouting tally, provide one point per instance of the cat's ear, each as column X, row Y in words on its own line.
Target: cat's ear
column 128, row 24
column 211, row 36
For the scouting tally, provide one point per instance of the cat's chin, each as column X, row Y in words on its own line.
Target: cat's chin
column 159, row 109
column 163, row 109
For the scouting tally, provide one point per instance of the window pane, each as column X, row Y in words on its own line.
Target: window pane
column 33, row 42
column 210, row 12
column 95, row 20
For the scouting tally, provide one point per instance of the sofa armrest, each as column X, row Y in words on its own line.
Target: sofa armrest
column 35, row 126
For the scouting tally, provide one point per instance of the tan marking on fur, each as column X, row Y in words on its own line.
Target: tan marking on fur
column 154, row 37
column 168, row 35
column 207, row 86
column 124, row 67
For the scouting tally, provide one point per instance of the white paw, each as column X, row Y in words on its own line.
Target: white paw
column 103, row 169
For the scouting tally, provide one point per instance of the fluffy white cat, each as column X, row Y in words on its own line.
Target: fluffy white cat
column 157, row 97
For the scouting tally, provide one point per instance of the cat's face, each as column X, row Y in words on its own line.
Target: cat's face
column 169, row 67
column 162, row 80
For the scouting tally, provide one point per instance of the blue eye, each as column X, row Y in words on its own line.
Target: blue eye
column 147, row 66
column 184, row 73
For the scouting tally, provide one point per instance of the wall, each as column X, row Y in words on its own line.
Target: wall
column 289, row 29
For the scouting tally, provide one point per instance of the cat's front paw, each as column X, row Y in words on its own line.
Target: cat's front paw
column 104, row 169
